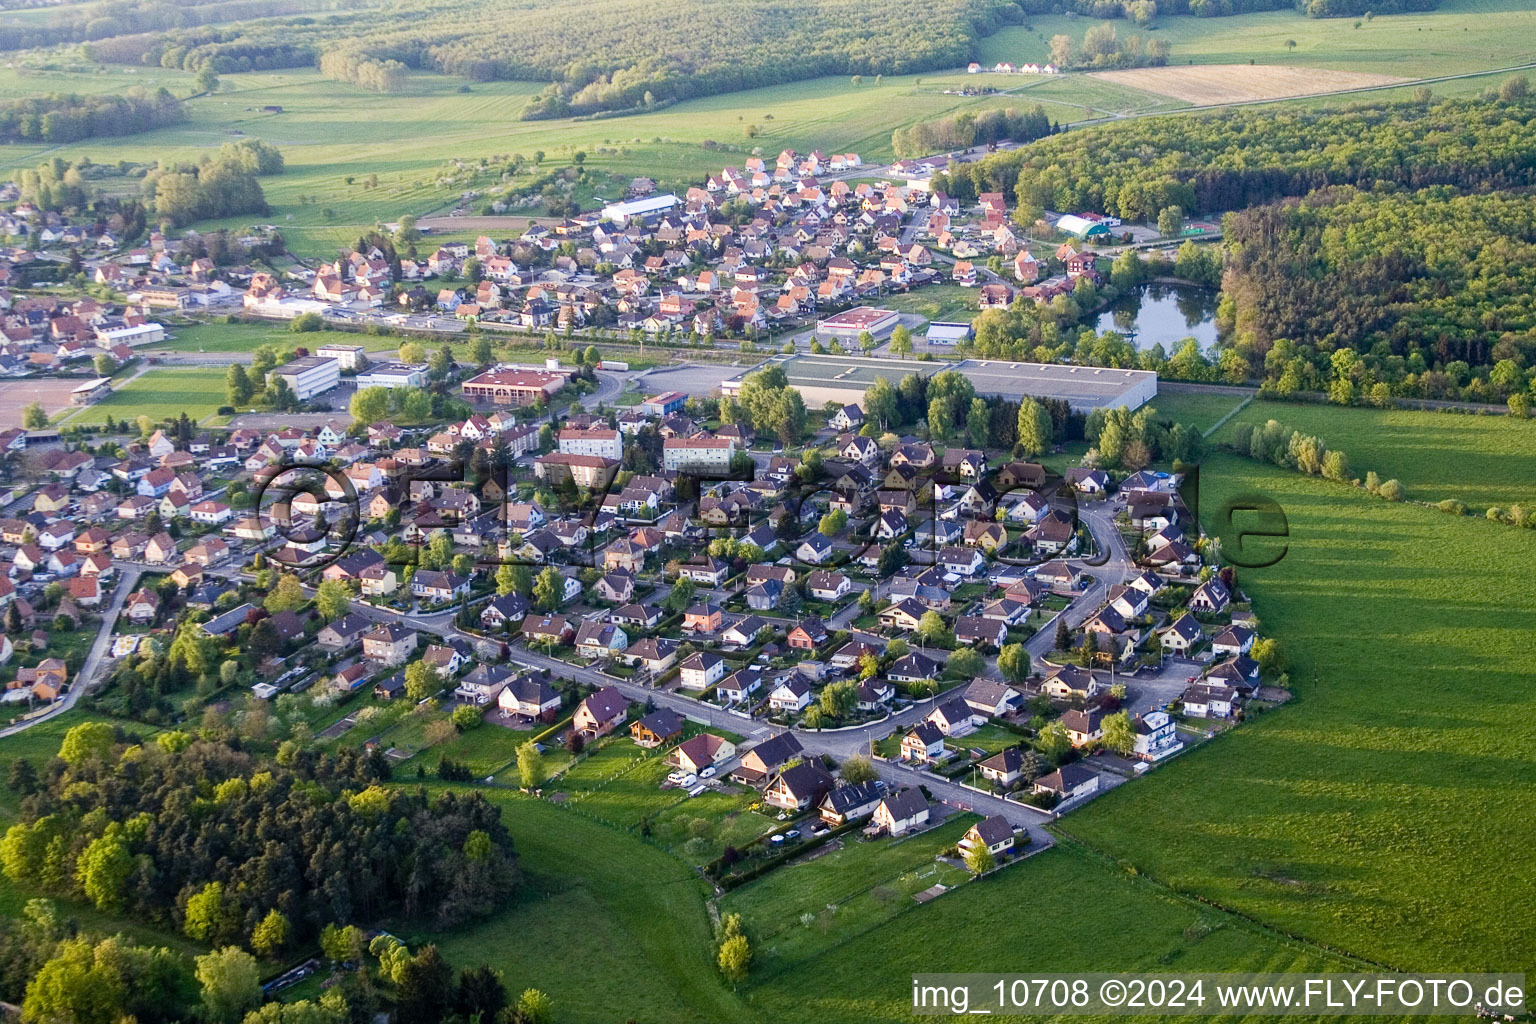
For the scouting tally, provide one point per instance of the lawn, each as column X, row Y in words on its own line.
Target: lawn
column 1201, row 409
column 1481, row 460
column 160, row 393
column 847, row 892
column 700, row 829
column 1386, row 811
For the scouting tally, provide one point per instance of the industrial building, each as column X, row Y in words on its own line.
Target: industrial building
column 844, row 379
column 392, row 375
column 1082, row 227
column 623, row 213
column 348, row 356
column 308, row 376
column 847, row 326
column 139, row 334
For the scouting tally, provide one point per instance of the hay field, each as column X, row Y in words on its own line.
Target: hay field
column 1238, row 83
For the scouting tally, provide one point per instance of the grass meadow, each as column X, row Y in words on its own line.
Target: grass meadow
column 1458, row 36
column 1386, row 811
column 244, row 337
column 1201, row 409
column 1480, row 460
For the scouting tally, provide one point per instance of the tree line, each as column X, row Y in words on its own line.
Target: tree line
column 59, row 118
column 224, row 185
column 963, row 130
column 1137, row 9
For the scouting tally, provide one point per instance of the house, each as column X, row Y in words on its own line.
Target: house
column 1085, row 726
column 1232, row 641
column 1156, row 736
column 815, row 549
column 1069, row 782
column 873, row 693
column 531, row 696
column 980, row 631
column 798, row 787
column 390, row 643
column 1240, row 672
column 904, row 614
column 142, row 606
column 548, row 629
column 600, row 713
column 702, row 618
column 480, row 687
column 654, row 654
column 955, row 718
column 701, row 669
column 791, row 695
column 764, row 595
column 344, row 632
column 993, row 834
column 1182, row 636
column 640, row 616
column 1204, row 700
column 991, row 698
column 962, row 561
column 739, row 685
column 851, row 802
column 378, row 581
column 848, row 418
column 766, row 759
column 599, row 639
column 660, row 726
column 1003, row 768
column 744, row 631
column 827, row 586
column 1087, row 481
column 503, row 611
column 1070, row 681
column 701, row 752
column 901, row 812
column 924, row 743
column 438, row 586
column 710, row 571
column 617, row 586
column 1210, row 597
column 915, row 667
column 808, row 634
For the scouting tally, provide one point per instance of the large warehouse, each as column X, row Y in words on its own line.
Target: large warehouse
column 515, row 385
column 848, row 325
column 844, row 379
column 309, row 376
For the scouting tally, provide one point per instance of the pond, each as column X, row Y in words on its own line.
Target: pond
column 1163, row 314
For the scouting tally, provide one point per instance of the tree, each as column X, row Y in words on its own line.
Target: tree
column 1013, row 662
column 480, row 993
column 680, row 597
column 1170, row 221
column 1119, row 735
column 332, row 599
column 530, row 765
column 979, row 859
column 34, row 416
column 735, row 957
column 104, row 365
column 966, row 663
column 1036, row 432
column 931, row 626
column 534, row 1007
column 548, row 589
column 480, row 351
column 857, row 769
column 231, row 984
column 341, row 945
column 1063, row 640
column 1391, row 490
column 237, row 386
column 424, row 989
column 506, row 580
column 901, row 341
column 421, row 681
column 91, row 741
column 286, row 596
column 441, row 363
column 370, row 405
column 103, row 868
column 832, row 523
column 207, row 914
column 271, row 934
column 413, row 352
column 978, row 422
column 1053, row 740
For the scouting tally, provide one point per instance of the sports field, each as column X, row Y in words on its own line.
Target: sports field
column 16, row 395
column 243, row 337
column 158, row 393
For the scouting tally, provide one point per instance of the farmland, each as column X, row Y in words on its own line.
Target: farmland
column 159, row 393
column 1325, row 819
column 1240, row 83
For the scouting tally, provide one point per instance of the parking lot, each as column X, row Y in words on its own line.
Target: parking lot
column 690, row 378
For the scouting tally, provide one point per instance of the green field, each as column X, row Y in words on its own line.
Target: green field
column 1202, row 409
column 243, row 337
column 1386, row 811
column 1481, row 460
column 159, row 392
column 1457, row 37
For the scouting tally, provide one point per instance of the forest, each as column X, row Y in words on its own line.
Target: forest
column 59, row 118
column 1428, row 293
column 197, row 835
column 1209, row 164
column 968, row 128
column 1223, row 8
